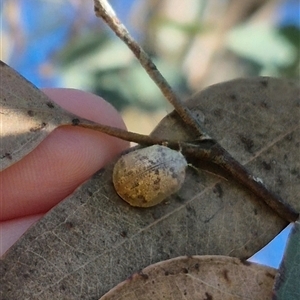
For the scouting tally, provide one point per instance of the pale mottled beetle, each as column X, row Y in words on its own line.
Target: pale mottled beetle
column 147, row 176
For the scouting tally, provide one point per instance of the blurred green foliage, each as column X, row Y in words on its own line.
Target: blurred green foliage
column 97, row 61
column 292, row 36
column 104, row 65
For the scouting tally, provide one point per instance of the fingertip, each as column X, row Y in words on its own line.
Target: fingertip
column 86, row 105
column 65, row 159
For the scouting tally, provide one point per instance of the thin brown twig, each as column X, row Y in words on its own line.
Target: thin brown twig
column 212, row 152
column 124, row 135
column 217, row 155
column 105, row 11
column 209, row 150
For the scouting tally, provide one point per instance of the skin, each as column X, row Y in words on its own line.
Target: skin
column 56, row 167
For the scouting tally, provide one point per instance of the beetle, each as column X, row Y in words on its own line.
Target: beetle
column 147, row 176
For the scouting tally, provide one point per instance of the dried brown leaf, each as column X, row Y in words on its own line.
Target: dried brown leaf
column 27, row 116
column 197, row 277
column 94, row 240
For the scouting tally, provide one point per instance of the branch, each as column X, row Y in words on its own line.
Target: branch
column 105, row 11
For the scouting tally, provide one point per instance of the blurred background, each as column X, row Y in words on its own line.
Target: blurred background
column 195, row 43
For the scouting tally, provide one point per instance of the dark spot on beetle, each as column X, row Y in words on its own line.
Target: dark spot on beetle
column 142, row 199
column 185, row 270
column 248, row 143
column 37, row 128
column 126, row 196
column 196, row 266
column 135, row 184
column 156, row 171
column 163, row 154
column 290, row 137
column 75, row 122
column 157, row 180
column 245, row 262
column 218, row 190
column 174, row 175
column 50, row 104
column 285, row 157
column 266, row 165
column 26, row 275
column 62, row 287
column 264, row 82
column 268, row 274
column 130, row 172
column 121, row 162
column 255, row 211
column 156, row 187
column 225, row 275
column 30, row 113
column 123, row 234
column 167, row 273
column 208, row 296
